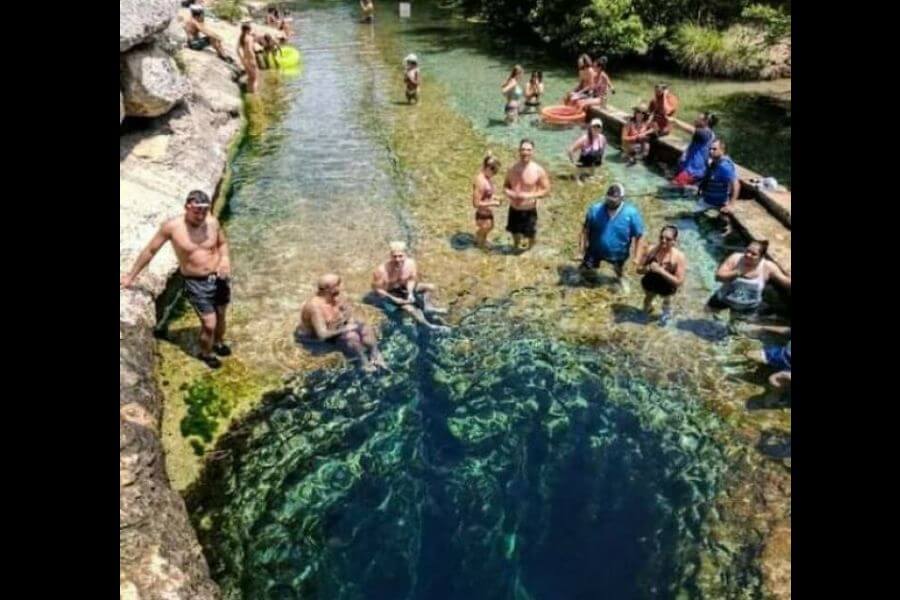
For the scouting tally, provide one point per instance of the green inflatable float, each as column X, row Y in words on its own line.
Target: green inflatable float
column 288, row 59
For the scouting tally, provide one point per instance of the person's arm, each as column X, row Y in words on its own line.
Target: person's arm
column 635, row 249
column 411, row 281
column 637, row 233
column 507, row 188
column 379, row 284
column 510, row 84
column 162, row 236
column 728, row 269
column 643, row 267
column 320, row 327
column 224, row 270
column 582, row 240
column 777, row 274
column 478, row 197
column 676, row 278
column 576, row 146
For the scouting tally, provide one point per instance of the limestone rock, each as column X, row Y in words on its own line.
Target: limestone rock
column 151, row 82
column 140, row 19
column 172, row 38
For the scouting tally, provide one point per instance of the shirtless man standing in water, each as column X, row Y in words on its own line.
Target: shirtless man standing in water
column 202, row 251
column 247, row 53
column 327, row 317
column 526, row 182
column 396, row 282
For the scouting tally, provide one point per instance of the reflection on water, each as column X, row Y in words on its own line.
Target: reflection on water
column 493, row 463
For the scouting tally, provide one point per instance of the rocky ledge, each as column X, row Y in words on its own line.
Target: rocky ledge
column 184, row 110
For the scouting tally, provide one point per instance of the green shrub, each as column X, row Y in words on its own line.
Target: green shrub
column 228, row 10
column 736, row 52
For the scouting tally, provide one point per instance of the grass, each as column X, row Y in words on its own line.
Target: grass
column 735, row 52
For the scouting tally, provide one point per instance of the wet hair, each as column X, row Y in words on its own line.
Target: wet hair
column 671, row 228
column 526, row 141
column 584, row 61
column 516, row 70
column 491, row 161
column 720, row 142
column 601, row 62
column 763, row 246
column 197, row 197
column 537, row 75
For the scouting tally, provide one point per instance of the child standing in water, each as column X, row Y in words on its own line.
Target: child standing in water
column 411, row 79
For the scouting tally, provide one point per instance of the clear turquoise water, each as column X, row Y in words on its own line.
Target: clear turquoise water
column 498, row 462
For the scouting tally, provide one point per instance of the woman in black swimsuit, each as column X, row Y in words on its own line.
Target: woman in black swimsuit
column 663, row 267
column 483, row 198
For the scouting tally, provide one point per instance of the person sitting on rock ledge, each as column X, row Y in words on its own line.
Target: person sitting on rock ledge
column 202, row 252
column 327, row 318
column 200, row 36
column 395, row 282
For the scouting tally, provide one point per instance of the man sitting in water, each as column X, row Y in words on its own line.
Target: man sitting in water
column 202, row 252
column 612, row 232
column 411, row 79
column 327, row 317
column 526, row 183
column 200, row 36
column 395, row 282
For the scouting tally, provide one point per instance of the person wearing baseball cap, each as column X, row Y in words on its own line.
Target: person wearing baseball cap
column 612, row 232
column 589, row 148
column 202, row 252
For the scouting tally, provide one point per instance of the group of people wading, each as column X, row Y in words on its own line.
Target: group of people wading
column 612, row 232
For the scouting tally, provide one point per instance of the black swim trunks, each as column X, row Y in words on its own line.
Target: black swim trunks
column 591, row 159
column 199, row 43
column 522, row 222
column 207, row 293
column 400, row 292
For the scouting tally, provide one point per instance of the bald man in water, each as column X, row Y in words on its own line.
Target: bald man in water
column 327, row 317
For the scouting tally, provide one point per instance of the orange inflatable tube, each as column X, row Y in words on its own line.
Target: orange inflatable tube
column 560, row 113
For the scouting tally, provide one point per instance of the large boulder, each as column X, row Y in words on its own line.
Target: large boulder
column 140, row 19
column 151, row 82
column 172, row 38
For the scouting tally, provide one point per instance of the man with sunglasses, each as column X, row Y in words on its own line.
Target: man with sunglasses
column 202, row 252
column 612, row 232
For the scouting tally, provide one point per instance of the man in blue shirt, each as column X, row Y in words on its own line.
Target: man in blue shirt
column 612, row 232
column 720, row 186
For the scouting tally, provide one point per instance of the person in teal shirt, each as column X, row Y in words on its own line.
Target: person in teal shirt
column 612, row 232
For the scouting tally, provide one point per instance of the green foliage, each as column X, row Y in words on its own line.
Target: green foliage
column 701, row 50
column 205, row 408
column 722, row 37
column 228, row 10
column 773, row 21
